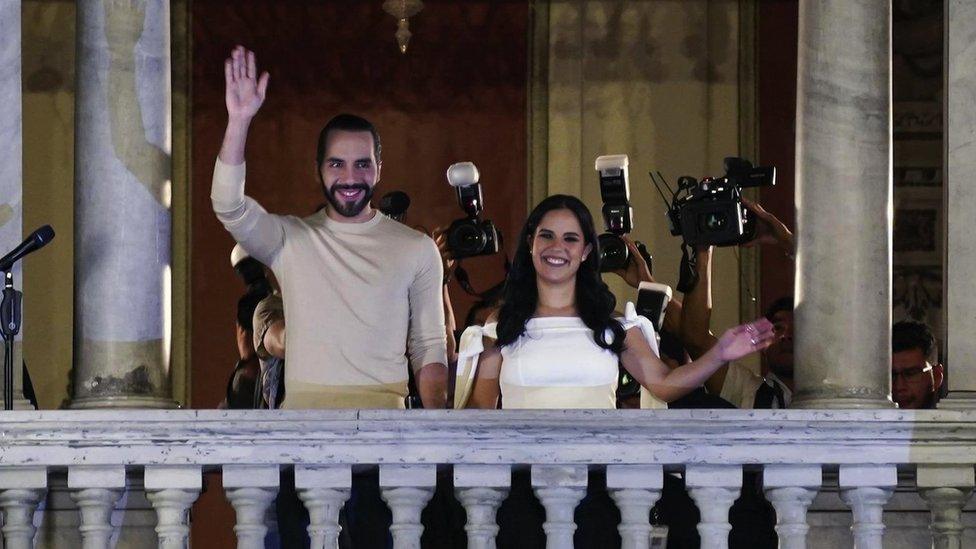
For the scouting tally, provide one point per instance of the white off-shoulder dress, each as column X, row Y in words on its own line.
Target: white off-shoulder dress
column 555, row 364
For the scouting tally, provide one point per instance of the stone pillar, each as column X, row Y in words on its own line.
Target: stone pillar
column 122, row 205
column 960, row 125
column 844, row 205
column 11, row 164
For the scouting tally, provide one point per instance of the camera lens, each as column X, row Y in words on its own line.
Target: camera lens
column 467, row 239
column 613, row 253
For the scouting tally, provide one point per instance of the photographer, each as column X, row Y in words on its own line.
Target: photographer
column 638, row 270
column 736, row 383
column 752, row 517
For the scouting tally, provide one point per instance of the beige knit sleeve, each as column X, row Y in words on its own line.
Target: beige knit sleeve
column 427, row 338
column 261, row 234
column 270, row 310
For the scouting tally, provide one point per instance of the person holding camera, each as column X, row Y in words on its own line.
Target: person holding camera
column 735, row 382
column 359, row 289
column 556, row 343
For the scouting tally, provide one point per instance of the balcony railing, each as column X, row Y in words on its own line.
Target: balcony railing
column 864, row 450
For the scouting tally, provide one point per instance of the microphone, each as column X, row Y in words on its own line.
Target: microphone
column 38, row 239
column 463, row 174
column 394, row 205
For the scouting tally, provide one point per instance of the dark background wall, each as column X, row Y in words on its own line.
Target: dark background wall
column 776, row 60
column 458, row 94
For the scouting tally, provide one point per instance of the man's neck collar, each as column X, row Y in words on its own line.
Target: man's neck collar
column 364, row 216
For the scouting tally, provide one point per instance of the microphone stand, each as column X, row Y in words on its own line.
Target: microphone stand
column 9, row 325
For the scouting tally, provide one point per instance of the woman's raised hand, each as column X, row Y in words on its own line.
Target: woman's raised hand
column 745, row 339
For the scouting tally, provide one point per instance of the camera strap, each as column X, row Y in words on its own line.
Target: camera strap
column 461, row 275
column 688, row 272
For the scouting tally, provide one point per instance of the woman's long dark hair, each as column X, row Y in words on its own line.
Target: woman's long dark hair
column 594, row 301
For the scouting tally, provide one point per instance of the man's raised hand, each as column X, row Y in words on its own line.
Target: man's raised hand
column 245, row 90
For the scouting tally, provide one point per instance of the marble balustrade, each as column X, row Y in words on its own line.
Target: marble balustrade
column 867, row 456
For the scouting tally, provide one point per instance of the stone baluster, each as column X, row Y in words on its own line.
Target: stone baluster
column 96, row 490
column 560, row 489
column 791, row 489
column 324, row 489
column 946, row 489
column 21, row 488
column 251, row 489
column 407, row 489
column 482, row 489
column 866, row 489
column 172, row 491
column 635, row 489
column 714, row 488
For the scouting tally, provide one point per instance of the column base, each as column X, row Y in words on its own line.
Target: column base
column 835, row 403
column 958, row 400
column 132, row 402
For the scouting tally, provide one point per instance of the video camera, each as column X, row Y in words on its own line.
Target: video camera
column 710, row 212
column 470, row 236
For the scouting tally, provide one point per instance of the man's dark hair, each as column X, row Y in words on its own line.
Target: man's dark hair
column 781, row 304
column 245, row 309
column 912, row 334
column 349, row 123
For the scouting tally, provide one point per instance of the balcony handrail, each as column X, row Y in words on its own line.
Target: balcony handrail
column 666, row 437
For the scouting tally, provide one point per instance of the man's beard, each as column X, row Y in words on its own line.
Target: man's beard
column 343, row 208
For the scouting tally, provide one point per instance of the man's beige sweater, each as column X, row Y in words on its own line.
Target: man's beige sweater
column 357, row 296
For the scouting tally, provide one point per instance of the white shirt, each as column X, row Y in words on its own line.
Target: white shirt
column 556, row 363
column 741, row 384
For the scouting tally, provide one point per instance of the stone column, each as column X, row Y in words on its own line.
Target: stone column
column 122, row 205
column 960, row 125
column 844, row 205
column 11, row 164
